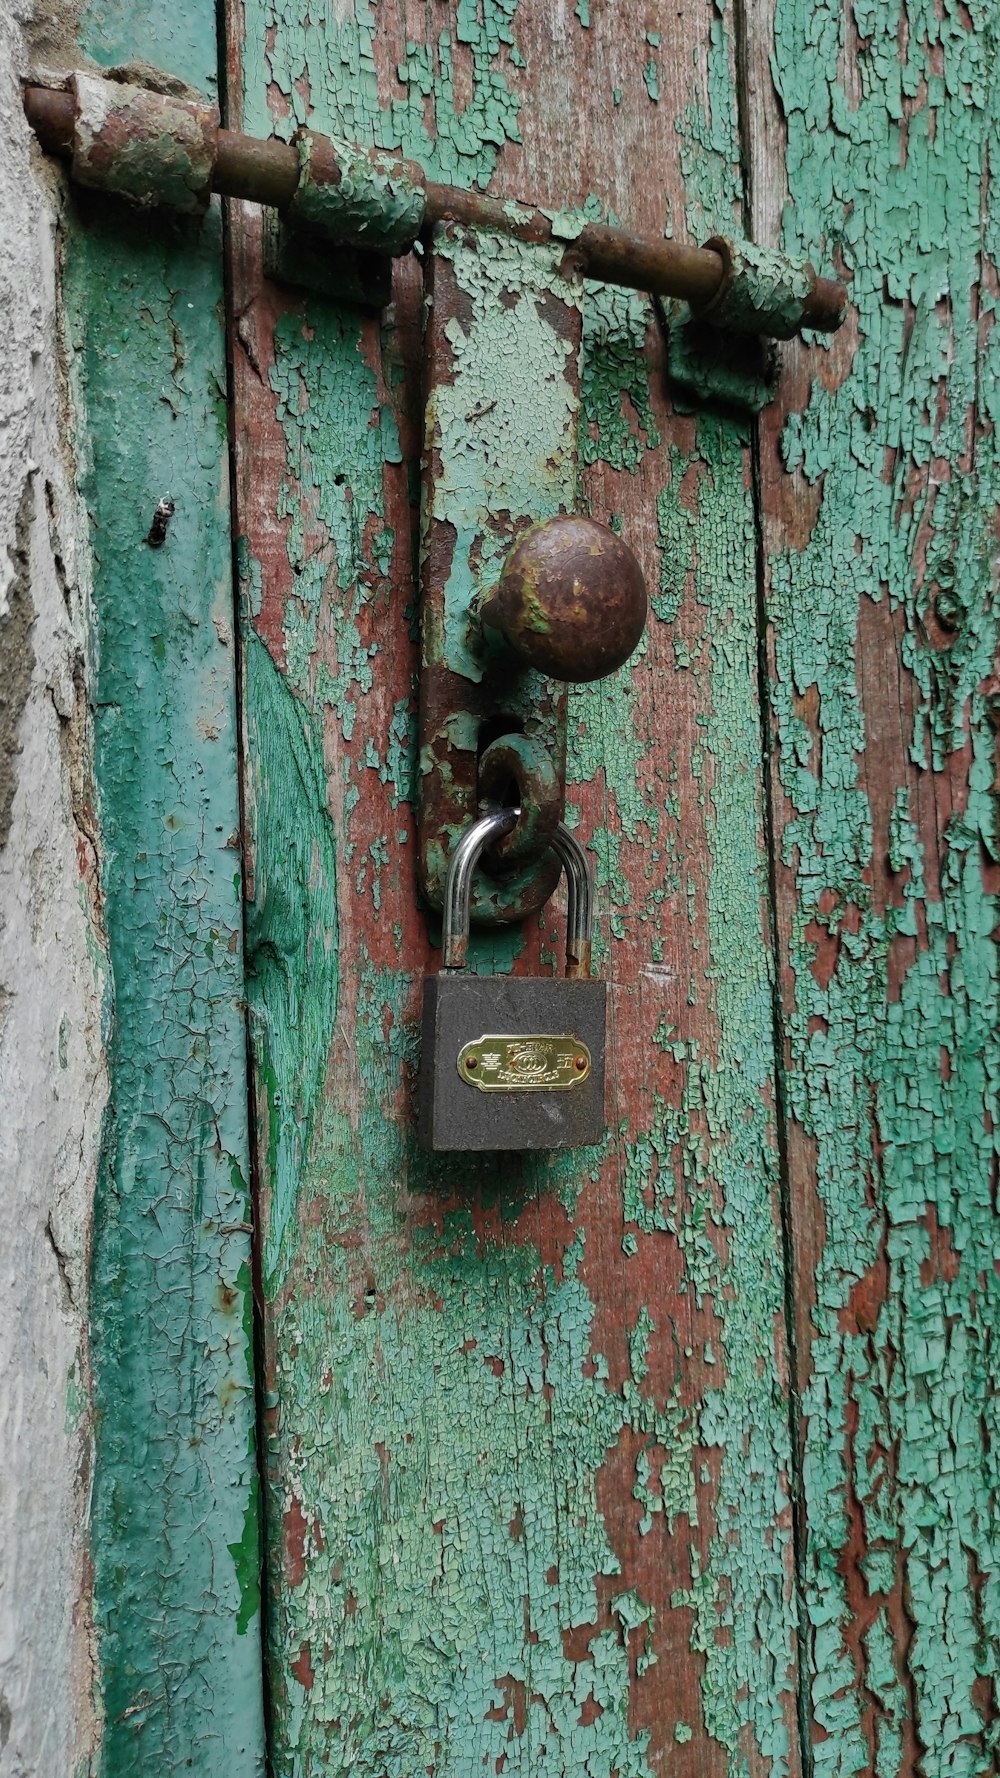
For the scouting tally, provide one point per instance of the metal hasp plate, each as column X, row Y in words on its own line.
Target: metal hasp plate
column 504, row 322
column 457, row 1114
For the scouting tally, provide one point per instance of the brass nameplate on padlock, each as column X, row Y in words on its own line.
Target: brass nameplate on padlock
column 532, row 1062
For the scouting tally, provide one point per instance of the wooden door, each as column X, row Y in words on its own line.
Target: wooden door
column 528, row 1462
column 530, row 1459
column 676, row 1456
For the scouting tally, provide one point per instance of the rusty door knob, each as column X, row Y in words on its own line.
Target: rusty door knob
column 571, row 599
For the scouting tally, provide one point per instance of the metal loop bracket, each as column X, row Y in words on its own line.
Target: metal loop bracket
column 153, row 148
column 373, row 200
column 762, row 292
column 518, row 761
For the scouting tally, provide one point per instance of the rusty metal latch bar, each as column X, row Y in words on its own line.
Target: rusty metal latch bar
column 158, row 149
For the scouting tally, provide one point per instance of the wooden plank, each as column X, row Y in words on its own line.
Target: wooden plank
column 528, row 1442
column 880, row 480
column 174, row 1526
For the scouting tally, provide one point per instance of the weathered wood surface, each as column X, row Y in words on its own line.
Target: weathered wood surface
column 880, row 483
column 528, row 1423
column 528, row 1446
column 174, row 1510
column 529, row 1467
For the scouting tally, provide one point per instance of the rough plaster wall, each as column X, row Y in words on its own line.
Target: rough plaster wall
column 52, row 1076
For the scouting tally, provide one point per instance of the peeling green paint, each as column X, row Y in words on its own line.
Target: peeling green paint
column 381, row 1379
column 328, row 407
column 424, row 1367
column 720, row 1141
column 399, row 1483
column 413, row 1504
column 292, row 932
column 764, row 292
column 520, row 459
column 456, row 142
column 711, row 161
column 501, row 440
column 246, row 1554
column 418, row 1507
column 394, row 1521
column 676, row 540
column 746, row 1680
column 614, row 386
column 894, row 1041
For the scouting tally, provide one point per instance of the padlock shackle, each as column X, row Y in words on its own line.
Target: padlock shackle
column 579, row 902
column 458, row 889
column 458, row 882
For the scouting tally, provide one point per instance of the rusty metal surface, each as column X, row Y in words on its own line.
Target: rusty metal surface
column 517, row 772
column 357, row 195
column 150, row 147
column 761, row 291
column 571, row 601
column 268, row 172
column 735, row 373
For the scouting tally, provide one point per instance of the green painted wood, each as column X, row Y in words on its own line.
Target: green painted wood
column 877, row 492
column 175, row 1536
column 528, row 1452
column 529, row 1472
column 881, row 479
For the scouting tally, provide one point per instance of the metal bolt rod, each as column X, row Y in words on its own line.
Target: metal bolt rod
column 267, row 172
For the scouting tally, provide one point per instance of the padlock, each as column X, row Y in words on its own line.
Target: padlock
column 512, row 1062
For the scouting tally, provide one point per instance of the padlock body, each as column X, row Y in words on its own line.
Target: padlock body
column 521, row 1033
